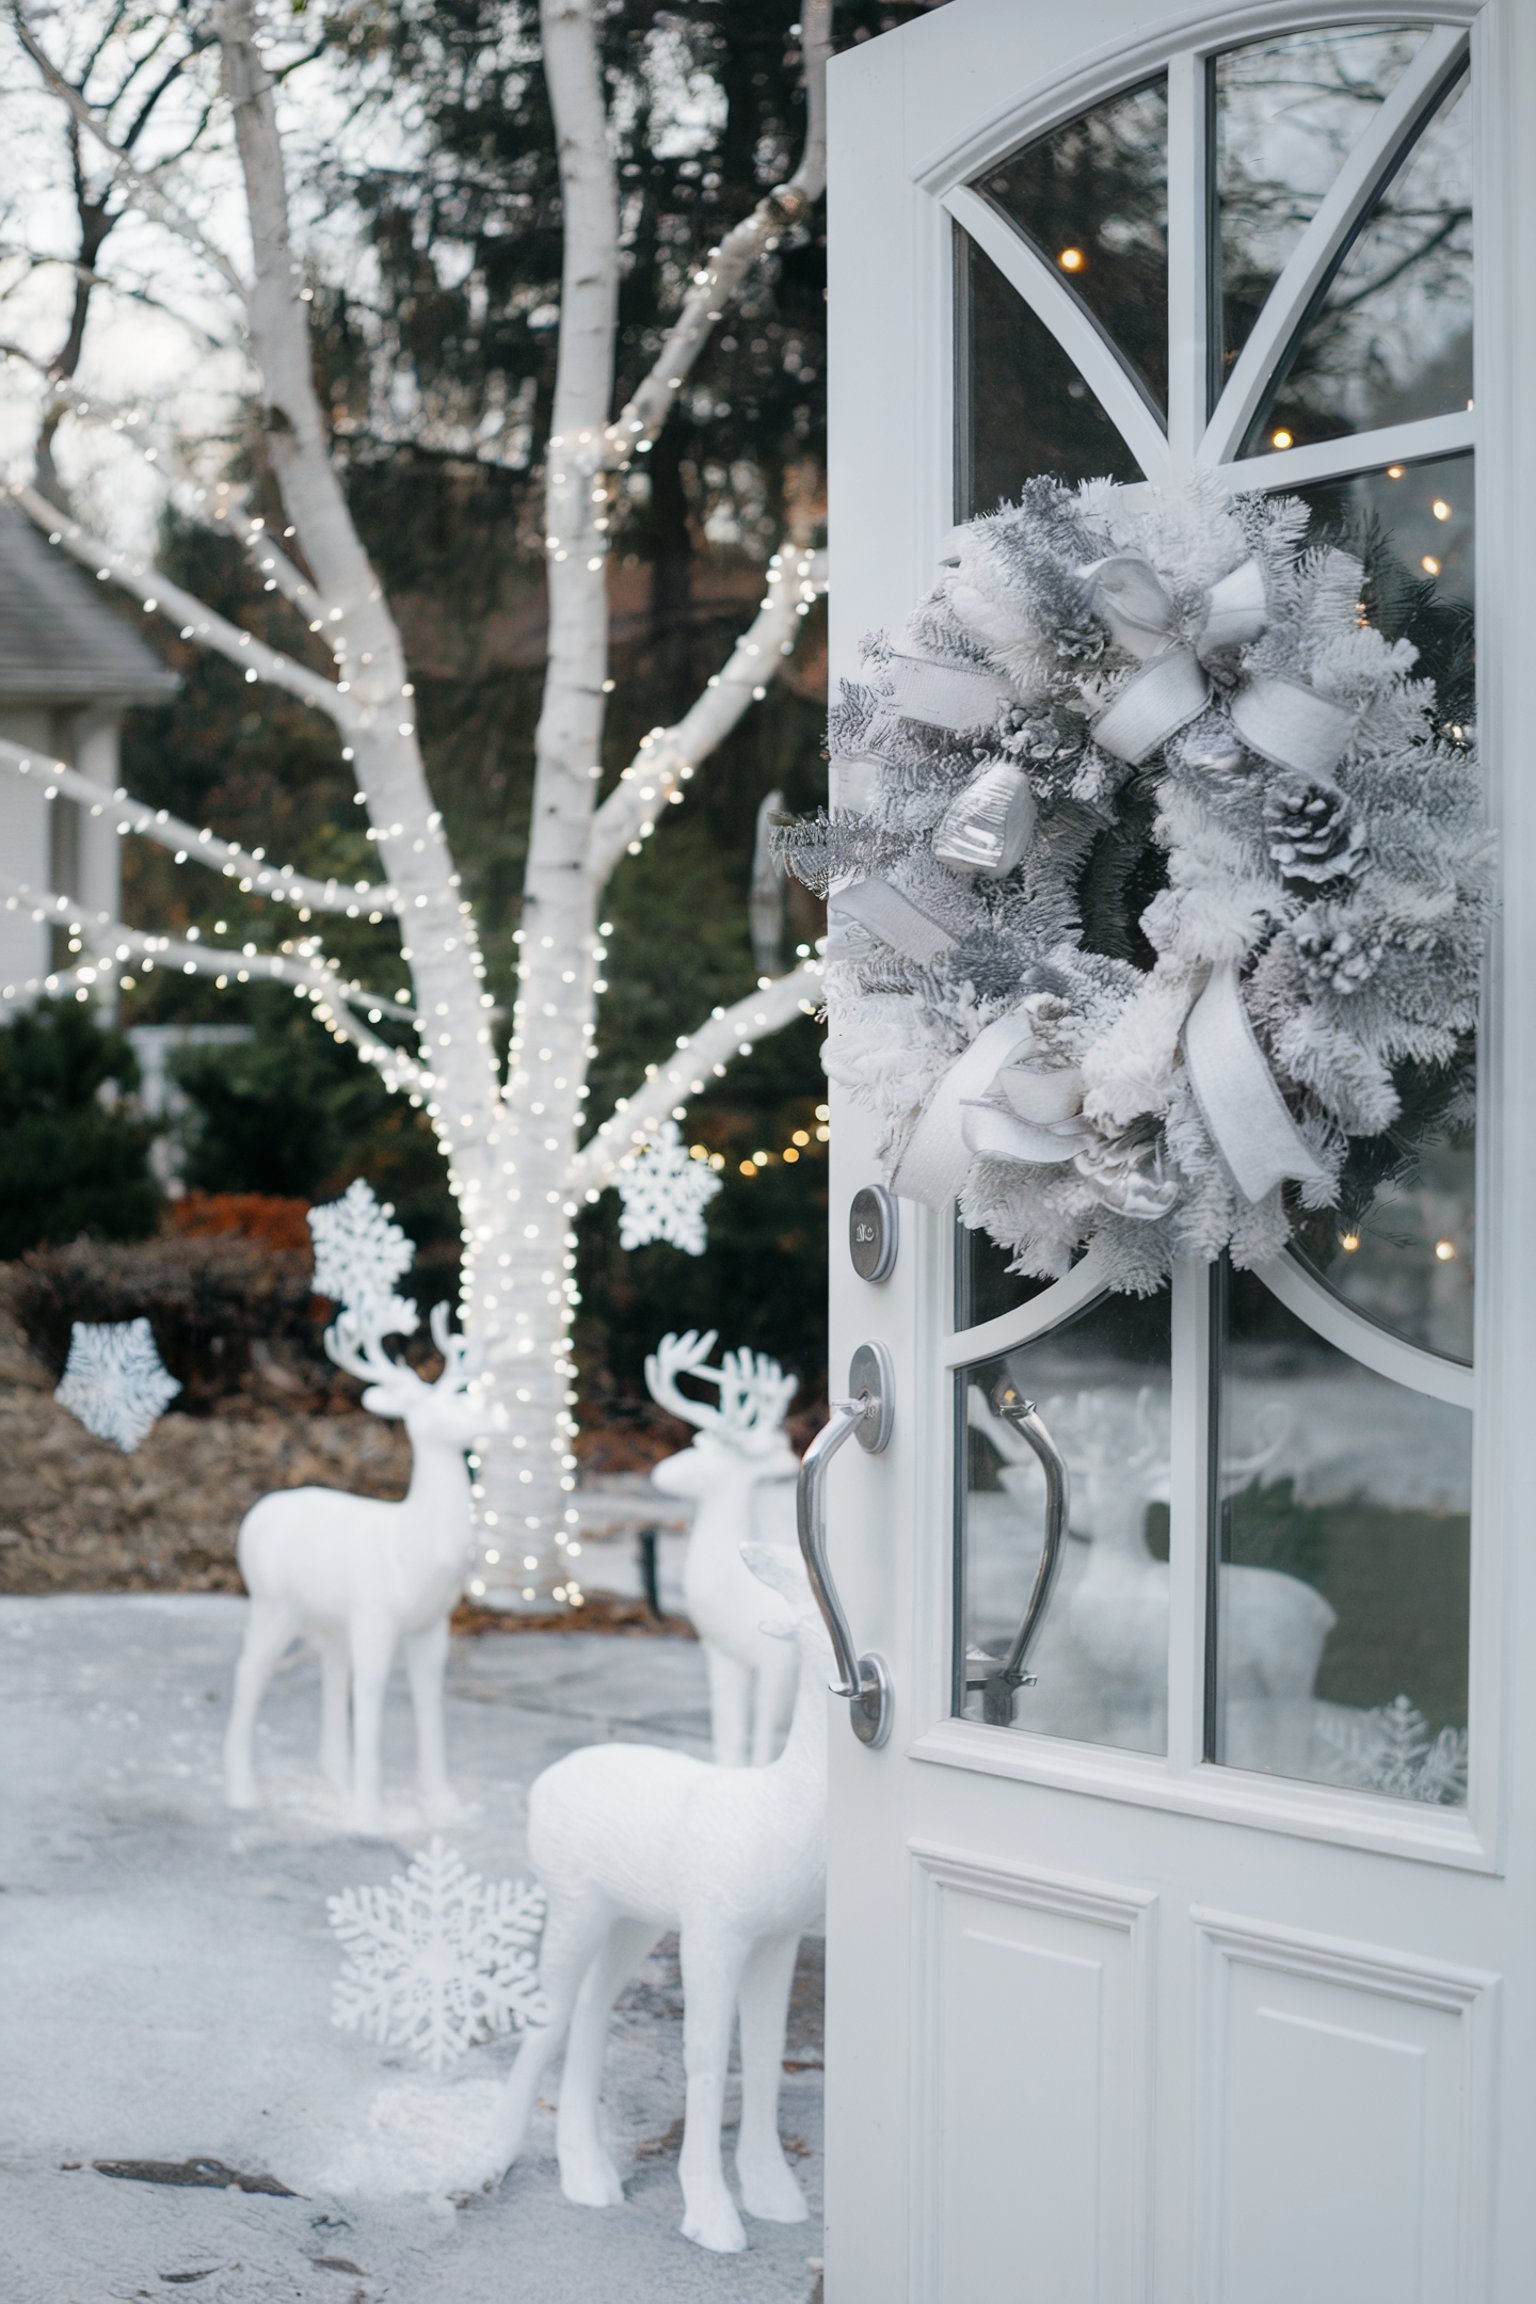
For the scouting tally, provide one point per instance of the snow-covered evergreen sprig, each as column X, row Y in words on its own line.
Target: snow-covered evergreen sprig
column 1308, row 832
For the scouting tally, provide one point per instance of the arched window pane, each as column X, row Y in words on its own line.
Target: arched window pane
column 1341, row 1614
column 1092, row 196
column 1286, row 113
column 1391, row 339
column 1022, row 408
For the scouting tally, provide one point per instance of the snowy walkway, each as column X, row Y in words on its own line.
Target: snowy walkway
column 168, row 1968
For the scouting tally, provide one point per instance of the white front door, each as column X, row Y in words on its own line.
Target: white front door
column 1211, row 1975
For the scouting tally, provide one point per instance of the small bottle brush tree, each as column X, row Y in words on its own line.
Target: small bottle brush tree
column 512, row 1136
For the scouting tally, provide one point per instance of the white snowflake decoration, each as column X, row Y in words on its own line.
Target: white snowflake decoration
column 439, row 1959
column 115, row 1381
column 359, row 1255
column 665, row 1192
column 1389, row 1749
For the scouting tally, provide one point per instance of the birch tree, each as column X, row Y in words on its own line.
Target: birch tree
column 520, row 1153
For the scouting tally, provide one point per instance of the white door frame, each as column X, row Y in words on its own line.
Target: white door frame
column 905, row 136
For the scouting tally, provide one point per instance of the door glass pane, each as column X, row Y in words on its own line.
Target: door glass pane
column 1022, row 407
column 1100, row 1382
column 1286, row 113
column 1400, row 1247
column 1341, row 1612
column 1093, row 198
column 984, row 1286
column 1391, row 339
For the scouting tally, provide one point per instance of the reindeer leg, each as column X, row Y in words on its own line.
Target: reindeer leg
column 712, row 1966
column 730, row 1697
column 373, row 1648
column 769, row 2186
column 574, row 1928
column 426, row 1660
column 587, row 2173
column 268, row 1630
column 335, row 1688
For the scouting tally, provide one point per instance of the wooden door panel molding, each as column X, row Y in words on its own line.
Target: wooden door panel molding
column 1014, row 1970
column 1344, row 2095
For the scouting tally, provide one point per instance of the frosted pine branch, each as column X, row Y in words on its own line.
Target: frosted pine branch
column 198, row 845
column 667, row 760
column 199, row 622
column 701, row 1057
column 723, row 270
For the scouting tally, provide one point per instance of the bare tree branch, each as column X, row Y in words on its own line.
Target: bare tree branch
column 145, row 184
column 701, row 1057
column 724, row 268
column 256, row 659
column 317, row 978
column 191, row 844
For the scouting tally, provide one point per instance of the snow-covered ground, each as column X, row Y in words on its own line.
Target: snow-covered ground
column 168, row 1973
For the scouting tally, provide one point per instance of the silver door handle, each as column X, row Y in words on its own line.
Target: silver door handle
column 1005, row 1676
column 863, row 1680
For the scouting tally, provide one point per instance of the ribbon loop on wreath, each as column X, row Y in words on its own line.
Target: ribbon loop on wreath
column 1042, row 1120
column 885, row 912
column 1244, row 1112
column 1283, row 722
column 957, row 696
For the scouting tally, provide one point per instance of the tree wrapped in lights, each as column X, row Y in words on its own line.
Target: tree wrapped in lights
column 512, row 1134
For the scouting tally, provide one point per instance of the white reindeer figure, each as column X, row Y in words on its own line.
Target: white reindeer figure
column 630, row 1841
column 740, row 1471
column 1110, row 1649
column 359, row 1578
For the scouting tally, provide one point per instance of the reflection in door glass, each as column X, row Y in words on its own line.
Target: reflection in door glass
column 1341, row 1611
column 1093, row 198
column 1286, row 113
column 1391, row 340
column 1400, row 1247
column 1100, row 1660
column 984, row 1286
column 1022, row 407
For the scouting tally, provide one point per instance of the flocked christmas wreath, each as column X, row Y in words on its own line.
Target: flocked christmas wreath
column 1157, row 882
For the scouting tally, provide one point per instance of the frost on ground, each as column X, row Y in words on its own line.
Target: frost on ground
column 170, row 1972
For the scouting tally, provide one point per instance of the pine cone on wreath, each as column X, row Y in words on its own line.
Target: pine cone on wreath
column 1335, row 958
column 1313, row 838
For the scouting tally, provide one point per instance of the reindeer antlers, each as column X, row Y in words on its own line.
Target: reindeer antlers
column 754, row 1390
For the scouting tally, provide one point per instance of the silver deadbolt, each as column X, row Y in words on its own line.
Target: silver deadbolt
column 873, row 1232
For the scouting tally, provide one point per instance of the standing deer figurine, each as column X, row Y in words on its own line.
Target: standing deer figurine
column 740, row 1471
column 630, row 1841
column 359, row 1578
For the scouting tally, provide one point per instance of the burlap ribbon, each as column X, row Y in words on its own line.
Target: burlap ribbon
column 1282, row 721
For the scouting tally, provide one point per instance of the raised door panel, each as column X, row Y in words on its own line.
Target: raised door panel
column 1343, row 2089
column 1031, row 2084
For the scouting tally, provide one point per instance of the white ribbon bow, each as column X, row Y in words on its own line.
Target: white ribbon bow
column 1289, row 725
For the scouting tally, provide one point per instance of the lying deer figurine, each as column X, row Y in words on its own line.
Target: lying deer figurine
column 631, row 1841
column 739, row 1470
column 360, row 1578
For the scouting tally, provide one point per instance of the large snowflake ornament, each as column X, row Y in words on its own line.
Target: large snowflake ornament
column 665, row 1192
column 359, row 1255
column 439, row 1959
column 115, row 1381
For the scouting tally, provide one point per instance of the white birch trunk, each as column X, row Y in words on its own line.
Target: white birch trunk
column 513, row 1146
